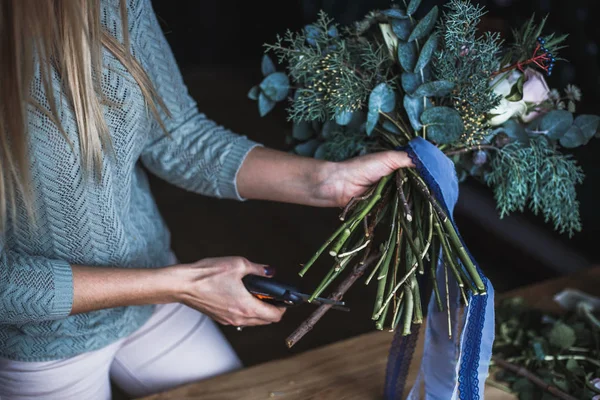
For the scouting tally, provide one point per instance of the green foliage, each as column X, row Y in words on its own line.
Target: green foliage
column 444, row 124
column 558, row 348
column 535, row 174
column 467, row 58
column 431, row 77
column 334, row 72
column 525, row 41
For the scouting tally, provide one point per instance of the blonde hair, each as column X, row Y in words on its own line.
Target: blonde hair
column 64, row 35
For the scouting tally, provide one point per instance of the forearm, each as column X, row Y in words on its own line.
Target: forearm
column 268, row 174
column 96, row 288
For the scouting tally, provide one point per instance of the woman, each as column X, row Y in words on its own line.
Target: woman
column 90, row 92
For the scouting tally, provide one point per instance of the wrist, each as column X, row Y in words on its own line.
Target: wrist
column 327, row 184
column 171, row 284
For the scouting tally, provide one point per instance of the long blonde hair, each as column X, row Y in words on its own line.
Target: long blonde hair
column 64, row 35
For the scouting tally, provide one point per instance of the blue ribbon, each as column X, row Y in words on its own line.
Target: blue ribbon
column 450, row 368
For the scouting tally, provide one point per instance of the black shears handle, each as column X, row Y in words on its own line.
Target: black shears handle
column 272, row 291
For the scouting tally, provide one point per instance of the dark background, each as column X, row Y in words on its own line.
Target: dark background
column 218, row 45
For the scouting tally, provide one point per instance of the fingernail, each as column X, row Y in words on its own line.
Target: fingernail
column 269, row 271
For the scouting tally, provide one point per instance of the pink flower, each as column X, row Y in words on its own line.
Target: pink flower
column 535, row 92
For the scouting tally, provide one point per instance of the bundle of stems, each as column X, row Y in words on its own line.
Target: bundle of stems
column 417, row 234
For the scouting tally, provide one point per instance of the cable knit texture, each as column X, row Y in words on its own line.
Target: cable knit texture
column 114, row 222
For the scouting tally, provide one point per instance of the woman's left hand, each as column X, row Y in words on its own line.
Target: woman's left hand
column 339, row 182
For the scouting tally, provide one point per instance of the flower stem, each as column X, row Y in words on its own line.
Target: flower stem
column 433, row 266
column 408, row 310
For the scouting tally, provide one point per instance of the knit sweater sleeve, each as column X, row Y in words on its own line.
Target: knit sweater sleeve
column 33, row 288
column 198, row 154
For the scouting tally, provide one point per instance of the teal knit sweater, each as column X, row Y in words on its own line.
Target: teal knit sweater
column 112, row 223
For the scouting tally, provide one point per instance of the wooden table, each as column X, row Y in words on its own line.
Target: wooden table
column 353, row 369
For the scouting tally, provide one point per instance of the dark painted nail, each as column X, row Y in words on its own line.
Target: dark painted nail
column 269, row 271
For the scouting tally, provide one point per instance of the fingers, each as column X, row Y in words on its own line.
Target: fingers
column 265, row 311
column 245, row 267
column 398, row 159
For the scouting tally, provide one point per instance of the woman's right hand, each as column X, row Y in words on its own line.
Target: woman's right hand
column 214, row 287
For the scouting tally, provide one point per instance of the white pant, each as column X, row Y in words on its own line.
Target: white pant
column 175, row 346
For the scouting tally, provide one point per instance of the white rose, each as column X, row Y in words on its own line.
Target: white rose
column 506, row 109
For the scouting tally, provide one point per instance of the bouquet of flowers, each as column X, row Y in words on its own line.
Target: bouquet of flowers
column 391, row 78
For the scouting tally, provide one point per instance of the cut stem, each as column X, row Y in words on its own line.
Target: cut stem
column 408, row 310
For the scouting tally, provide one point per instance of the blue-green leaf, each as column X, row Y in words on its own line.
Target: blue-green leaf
column 302, row 131
column 414, row 108
column 413, row 6
column 583, row 129
column 402, row 28
column 395, row 13
column 444, row 124
column 329, row 127
column 556, row 123
column 382, row 98
column 312, row 34
column 321, row 152
column 407, row 55
column 387, row 125
column 427, row 52
column 434, row 89
column 267, row 66
column 358, row 119
column 573, row 137
column 332, row 31
column 513, row 129
column 589, row 124
column 425, row 26
column 254, row 92
column 343, row 117
column 307, row 149
column 276, row 86
column 410, row 81
column 265, row 104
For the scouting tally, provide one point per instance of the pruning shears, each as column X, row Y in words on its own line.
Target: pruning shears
column 282, row 295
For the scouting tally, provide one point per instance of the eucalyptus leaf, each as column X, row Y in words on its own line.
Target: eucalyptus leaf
column 388, row 126
column 276, row 86
column 414, row 107
column 382, row 98
column 321, row 152
column 572, row 365
column 332, row 31
column 574, row 137
column 358, row 118
column 407, row 55
column 307, row 149
column 556, row 123
column 329, row 127
column 302, row 131
column 444, row 124
column 265, row 104
column 413, row 6
column 343, row 117
column 513, row 130
column 254, row 92
column 589, row 124
column 402, row 28
column 434, row 89
column 267, row 66
column 312, row 34
column 395, row 13
column 427, row 52
column 562, row 335
column 410, row 81
column 425, row 26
